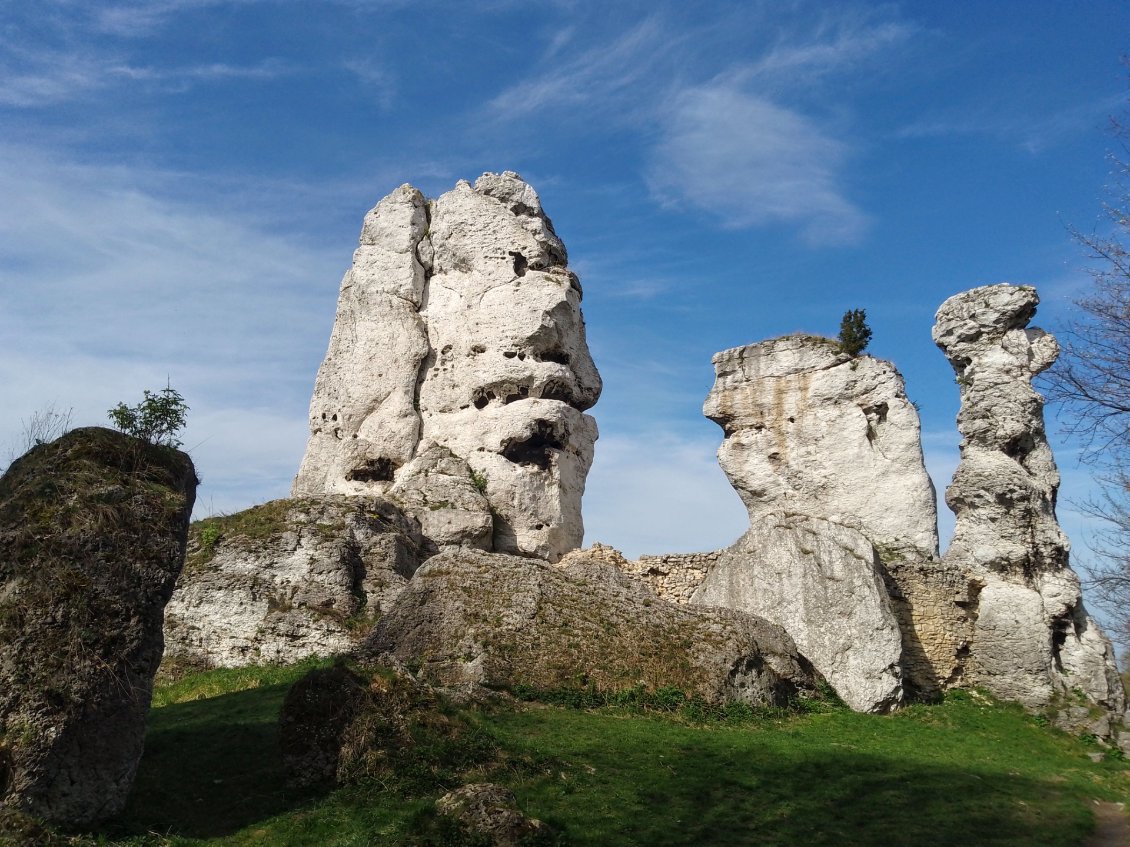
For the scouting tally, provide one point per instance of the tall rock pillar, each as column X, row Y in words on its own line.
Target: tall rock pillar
column 1032, row 640
column 459, row 340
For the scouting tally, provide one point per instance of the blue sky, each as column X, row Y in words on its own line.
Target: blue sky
column 182, row 183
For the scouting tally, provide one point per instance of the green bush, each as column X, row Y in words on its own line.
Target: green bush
column 158, row 418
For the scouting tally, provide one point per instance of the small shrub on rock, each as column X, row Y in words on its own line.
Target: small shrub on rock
column 855, row 334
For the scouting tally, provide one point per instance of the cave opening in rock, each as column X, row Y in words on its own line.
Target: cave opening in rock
column 535, row 450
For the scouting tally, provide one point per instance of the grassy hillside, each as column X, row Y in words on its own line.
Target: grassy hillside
column 967, row 772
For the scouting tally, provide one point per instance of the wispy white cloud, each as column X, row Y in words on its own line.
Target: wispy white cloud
column 721, row 139
column 751, row 162
column 1029, row 125
column 603, row 75
column 112, row 286
column 48, row 77
column 837, row 43
column 376, row 79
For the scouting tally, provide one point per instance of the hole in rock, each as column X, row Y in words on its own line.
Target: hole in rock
column 1019, row 446
column 539, row 526
column 509, row 354
column 333, row 418
column 557, row 356
column 520, row 263
column 446, row 349
column 481, row 401
column 536, row 450
column 379, row 469
column 522, row 209
column 477, row 348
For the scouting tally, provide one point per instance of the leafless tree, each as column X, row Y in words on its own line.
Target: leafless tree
column 1091, row 381
column 44, row 425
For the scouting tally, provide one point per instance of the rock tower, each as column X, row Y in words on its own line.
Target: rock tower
column 1032, row 640
column 459, row 327
column 824, row 450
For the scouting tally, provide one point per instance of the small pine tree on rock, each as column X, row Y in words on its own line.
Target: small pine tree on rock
column 855, row 334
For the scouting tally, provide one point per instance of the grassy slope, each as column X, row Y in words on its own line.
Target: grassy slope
column 967, row 772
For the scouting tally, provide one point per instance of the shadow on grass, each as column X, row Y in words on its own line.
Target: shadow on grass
column 211, row 767
column 725, row 790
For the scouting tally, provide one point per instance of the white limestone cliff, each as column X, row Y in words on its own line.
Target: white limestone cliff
column 459, row 326
column 1032, row 640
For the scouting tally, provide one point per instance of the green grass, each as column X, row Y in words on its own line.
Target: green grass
column 966, row 772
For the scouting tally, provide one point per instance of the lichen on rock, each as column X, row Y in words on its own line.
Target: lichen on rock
column 92, row 538
column 469, row 617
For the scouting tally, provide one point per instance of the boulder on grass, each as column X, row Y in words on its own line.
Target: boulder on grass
column 92, row 538
column 505, row 621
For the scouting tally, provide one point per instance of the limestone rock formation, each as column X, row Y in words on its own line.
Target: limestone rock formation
column 92, row 537
column 459, row 326
column 290, row 579
column 825, row 451
column 812, row 431
column 501, row 621
column 821, row 582
column 1032, row 640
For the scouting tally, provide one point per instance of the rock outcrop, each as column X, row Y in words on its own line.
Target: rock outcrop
column 821, row 581
column 824, row 449
column 1032, row 640
column 812, row 431
column 92, row 537
column 489, row 814
column 502, row 621
column 459, row 326
column 293, row 578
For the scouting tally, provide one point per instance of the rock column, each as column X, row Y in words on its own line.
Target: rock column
column 1032, row 640
column 459, row 326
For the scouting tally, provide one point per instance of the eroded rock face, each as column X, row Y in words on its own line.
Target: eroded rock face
column 825, row 452
column 290, row 579
column 1032, row 640
column 810, row 430
column 500, row 621
column 92, row 537
column 459, row 326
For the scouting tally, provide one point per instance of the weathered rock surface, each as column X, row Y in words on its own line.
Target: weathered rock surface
column 820, row 581
column 92, row 537
column 490, row 812
column 442, row 492
column 459, row 325
column 825, row 451
column 290, row 579
column 812, row 431
column 502, row 621
column 1032, row 640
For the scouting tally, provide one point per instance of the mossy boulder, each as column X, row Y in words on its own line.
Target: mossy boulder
column 506, row 621
column 92, row 538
